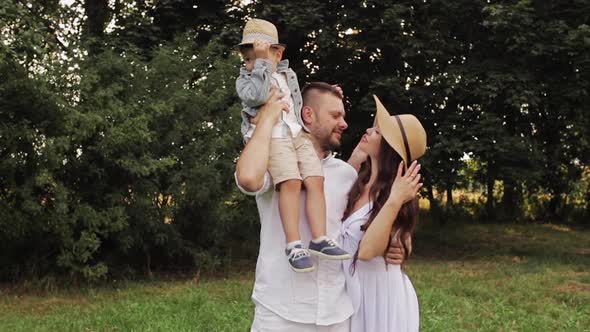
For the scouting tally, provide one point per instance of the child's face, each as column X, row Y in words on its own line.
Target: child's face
column 275, row 55
column 249, row 58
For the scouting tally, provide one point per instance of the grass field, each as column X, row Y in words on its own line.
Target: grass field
column 468, row 278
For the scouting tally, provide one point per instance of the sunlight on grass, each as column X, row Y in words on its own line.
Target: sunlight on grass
column 468, row 278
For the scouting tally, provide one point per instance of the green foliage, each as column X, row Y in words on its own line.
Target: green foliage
column 132, row 170
column 503, row 82
column 41, row 215
column 119, row 127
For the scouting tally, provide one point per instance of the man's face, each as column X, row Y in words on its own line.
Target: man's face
column 327, row 123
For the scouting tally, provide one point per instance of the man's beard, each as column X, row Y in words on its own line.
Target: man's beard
column 329, row 143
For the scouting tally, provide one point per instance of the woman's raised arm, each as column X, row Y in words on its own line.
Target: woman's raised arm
column 404, row 188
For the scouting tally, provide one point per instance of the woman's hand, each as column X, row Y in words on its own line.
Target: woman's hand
column 272, row 109
column 357, row 157
column 405, row 187
column 377, row 237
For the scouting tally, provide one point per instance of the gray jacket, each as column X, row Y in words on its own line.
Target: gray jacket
column 253, row 88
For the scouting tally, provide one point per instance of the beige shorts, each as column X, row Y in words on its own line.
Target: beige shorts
column 293, row 159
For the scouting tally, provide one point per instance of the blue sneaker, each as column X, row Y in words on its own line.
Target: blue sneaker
column 300, row 259
column 328, row 249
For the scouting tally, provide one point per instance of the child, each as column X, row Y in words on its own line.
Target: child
column 293, row 159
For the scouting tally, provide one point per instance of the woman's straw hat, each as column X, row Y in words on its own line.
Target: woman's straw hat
column 257, row 29
column 404, row 133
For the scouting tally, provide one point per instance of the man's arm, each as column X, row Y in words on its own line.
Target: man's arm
column 253, row 161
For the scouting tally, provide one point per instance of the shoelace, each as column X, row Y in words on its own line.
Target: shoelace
column 331, row 242
column 298, row 253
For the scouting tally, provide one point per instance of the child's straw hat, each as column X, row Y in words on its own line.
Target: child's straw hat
column 257, row 29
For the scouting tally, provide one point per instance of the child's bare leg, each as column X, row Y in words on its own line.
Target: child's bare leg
column 289, row 208
column 315, row 206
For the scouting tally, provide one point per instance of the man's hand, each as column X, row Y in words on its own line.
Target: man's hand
column 273, row 107
column 253, row 162
column 261, row 49
column 396, row 253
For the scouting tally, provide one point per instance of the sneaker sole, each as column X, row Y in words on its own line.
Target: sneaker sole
column 309, row 269
column 331, row 257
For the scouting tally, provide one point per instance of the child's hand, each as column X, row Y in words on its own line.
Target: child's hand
column 261, row 49
column 339, row 89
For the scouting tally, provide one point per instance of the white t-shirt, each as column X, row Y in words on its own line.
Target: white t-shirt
column 317, row 297
column 288, row 120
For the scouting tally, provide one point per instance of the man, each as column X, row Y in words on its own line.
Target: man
column 284, row 300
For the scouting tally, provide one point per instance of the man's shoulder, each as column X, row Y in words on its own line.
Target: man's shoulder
column 341, row 166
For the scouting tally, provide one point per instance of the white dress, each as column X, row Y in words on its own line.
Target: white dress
column 383, row 297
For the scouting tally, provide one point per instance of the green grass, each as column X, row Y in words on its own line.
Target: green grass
column 211, row 305
column 503, row 278
column 468, row 278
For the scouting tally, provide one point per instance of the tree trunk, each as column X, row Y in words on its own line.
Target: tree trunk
column 509, row 198
column 490, row 195
column 555, row 208
column 435, row 208
column 148, row 262
column 97, row 16
column 449, row 196
column 97, row 13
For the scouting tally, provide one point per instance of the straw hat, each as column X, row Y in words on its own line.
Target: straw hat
column 257, row 29
column 404, row 133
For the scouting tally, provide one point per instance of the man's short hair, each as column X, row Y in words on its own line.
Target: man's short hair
column 321, row 87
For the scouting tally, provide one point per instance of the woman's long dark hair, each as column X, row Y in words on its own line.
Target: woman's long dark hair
column 388, row 163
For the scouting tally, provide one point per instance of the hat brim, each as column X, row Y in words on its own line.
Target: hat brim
column 390, row 130
column 283, row 46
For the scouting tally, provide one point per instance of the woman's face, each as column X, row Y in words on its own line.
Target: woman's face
column 371, row 142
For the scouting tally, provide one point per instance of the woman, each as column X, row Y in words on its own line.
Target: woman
column 383, row 202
